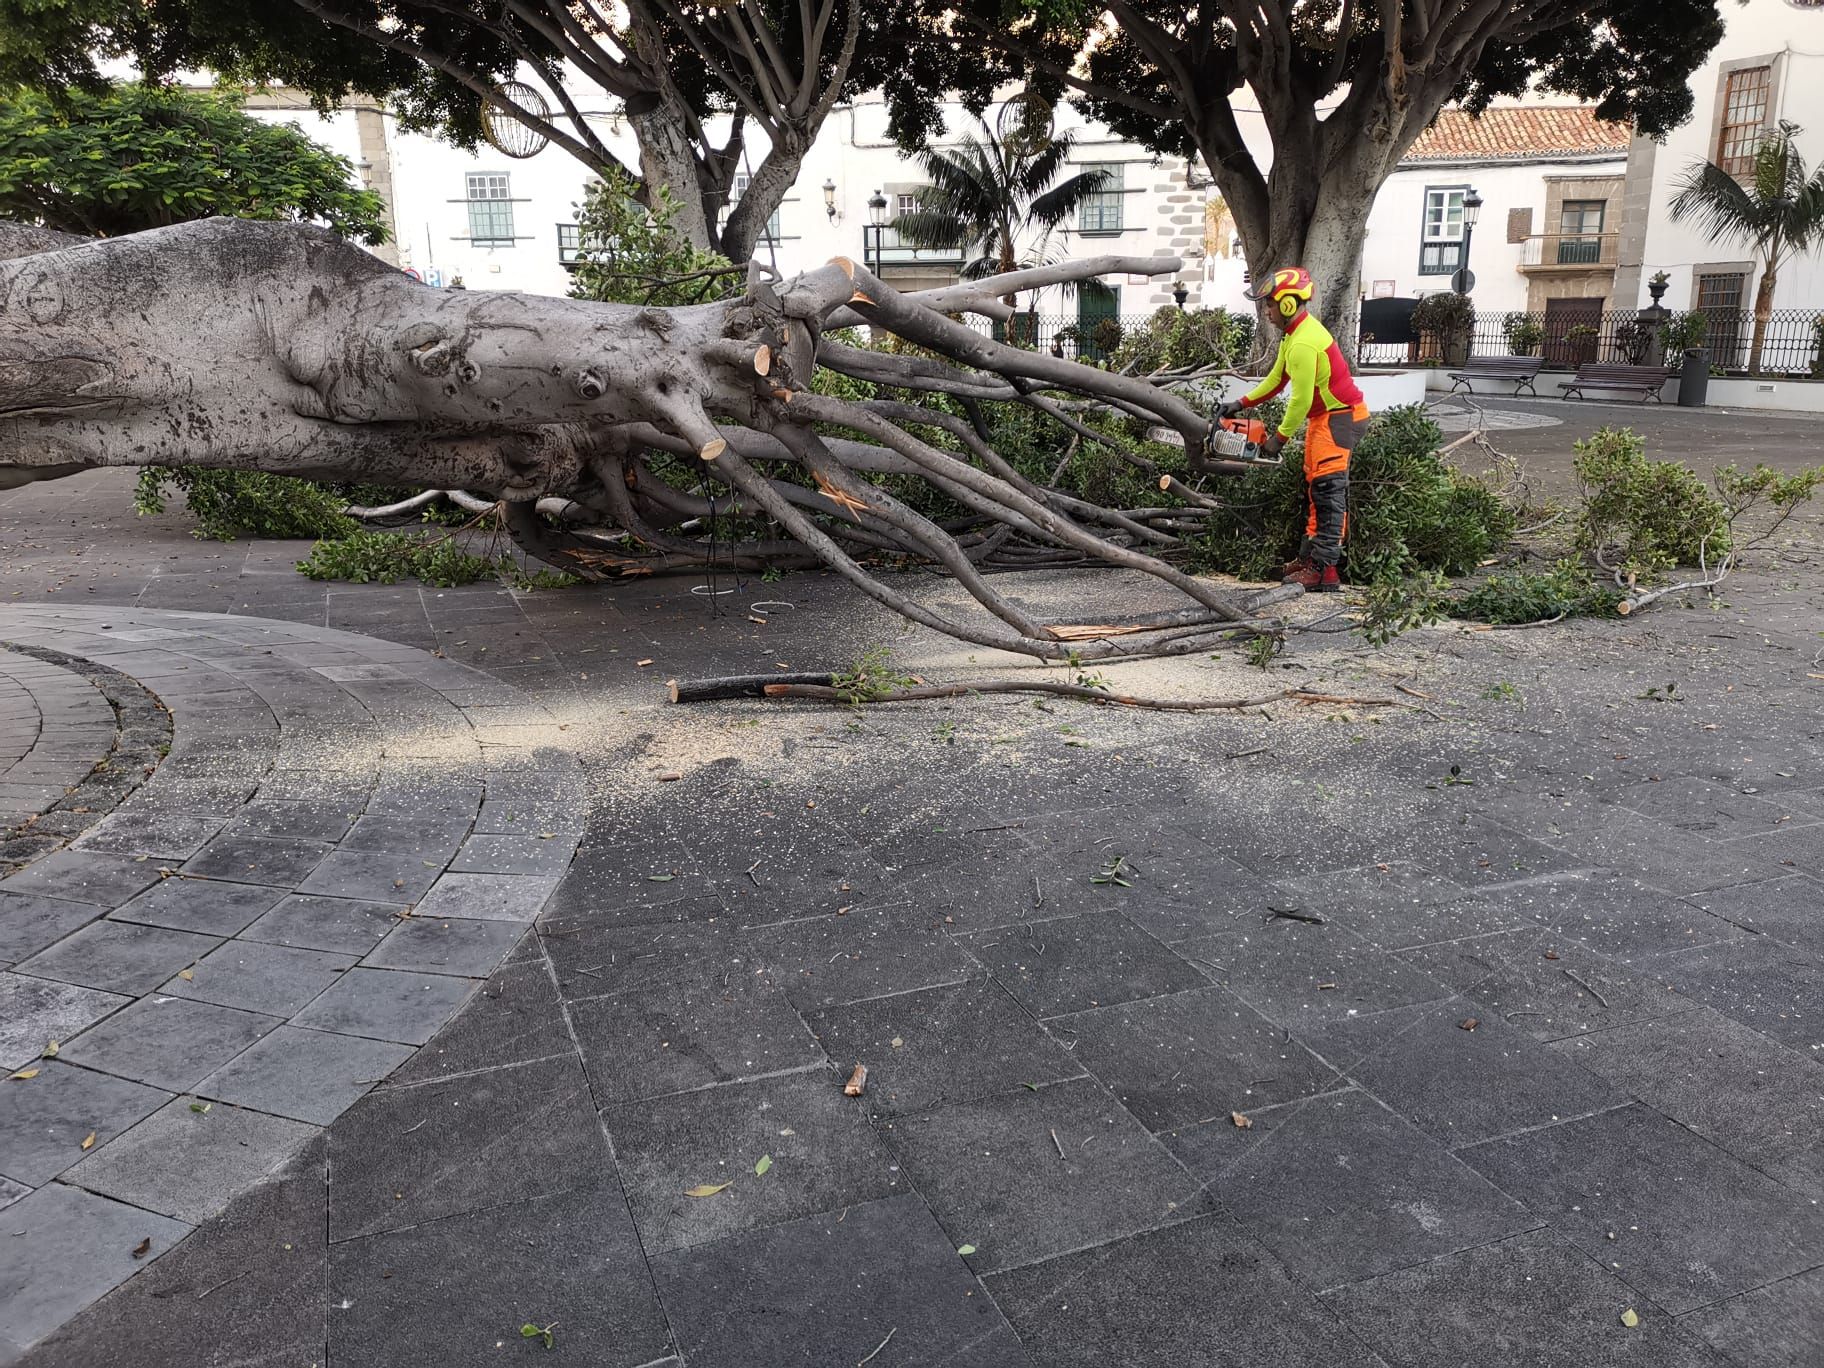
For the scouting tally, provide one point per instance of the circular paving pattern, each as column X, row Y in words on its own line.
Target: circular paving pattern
column 1453, row 419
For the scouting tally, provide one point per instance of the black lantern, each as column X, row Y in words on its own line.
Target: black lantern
column 1179, row 294
column 829, row 199
column 1464, row 281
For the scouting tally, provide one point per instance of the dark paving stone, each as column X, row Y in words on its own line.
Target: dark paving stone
column 1572, row 992
column 1074, row 963
column 306, row 1075
column 1293, row 971
column 281, row 861
column 1178, row 1059
column 1691, row 1224
column 421, row 1298
column 825, row 1157
column 120, row 957
column 255, row 977
column 1731, row 1085
column 443, row 800
column 188, row 1163
column 300, row 819
column 1462, row 965
column 1460, row 1085
column 261, row 1266
column 488, row 897
column 66, row 1248
column 829, row 1291
column 167, row 835
column 1777, row 990
column 310, row 921
column 1678, row 862
column 1339, row 1188
column 77, row 876
column 1704, row 807
column 1201, row 1294
column 371, row 876
column 826, row 960
column 493, row 854
column 1789, row 909
column 387, row 1004
column 680, row 1036
column 990, row 1171
column 1192, row 895
column 405, row 1155
column 35, row 1012
column 1771, row 1327
column 1623, row 917
column 593, row 961
column 1481, row 853
column 28, row 924
column 446, row 945
column 209, row 906
column 938, row 1045
column 168, row 1042
column 1395, row 906
column 514, row 1017
column 44, row 1120
column 1528, row 1302
column 429, row 838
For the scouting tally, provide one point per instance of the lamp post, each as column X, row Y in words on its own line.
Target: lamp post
column 829, row 199
column 870, row 235
column 1472, row 210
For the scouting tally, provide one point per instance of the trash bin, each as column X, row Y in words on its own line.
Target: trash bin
column 1694, row 378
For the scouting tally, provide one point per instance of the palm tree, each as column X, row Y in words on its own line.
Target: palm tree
column 1779, row 210
column 996, row 200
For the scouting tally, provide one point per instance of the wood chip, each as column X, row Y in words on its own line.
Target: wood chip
column 1241, row 1122
column 670, row 777
column 643, row 663
column 857, row 1082
column 1469, row 1023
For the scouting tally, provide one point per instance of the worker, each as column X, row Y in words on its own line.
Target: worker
column 1328, row 403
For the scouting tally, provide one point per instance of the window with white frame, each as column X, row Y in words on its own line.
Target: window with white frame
column 1441, row 239
column 1100, row 210
column 742, row 181
column 490, row 209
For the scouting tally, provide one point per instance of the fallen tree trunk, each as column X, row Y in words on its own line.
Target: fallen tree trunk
column 672, row 436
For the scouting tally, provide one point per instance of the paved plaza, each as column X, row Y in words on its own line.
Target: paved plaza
column 418, row 977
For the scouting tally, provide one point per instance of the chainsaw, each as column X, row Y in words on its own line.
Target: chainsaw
column 1234, row 445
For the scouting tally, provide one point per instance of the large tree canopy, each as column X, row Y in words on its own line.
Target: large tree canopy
column 133, row 157
column 1343, row 88
column 776, row 66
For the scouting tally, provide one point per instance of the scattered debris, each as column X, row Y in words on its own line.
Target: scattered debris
column 143, row 1248
column 706, row 1189
column 1055, row 1144
column 858, row 1081
column 544, row 1333
column 1241, row 1122
column 877, row 1348
column 765, row 1163
column 1630, row 1318
column 1586, row 988
column 1469, row 1023
column 1293, row 914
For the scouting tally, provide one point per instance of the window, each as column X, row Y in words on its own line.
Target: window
column 1745, row 96
column 1441, row 242
column 569, row 243
column 1100, row 210
column 490, row 210
column 1719, row 300
column 742, row 181
column 905, row 202
column 1580, row 232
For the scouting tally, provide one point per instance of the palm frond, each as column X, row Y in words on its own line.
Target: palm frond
column 1057, row 204
column 1719, row 204
column 934, row 228
column 1042, row 167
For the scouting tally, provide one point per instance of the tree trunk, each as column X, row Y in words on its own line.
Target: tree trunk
column 745, row 230
column 669, row 159
column 273, row 346
column 1763, row 315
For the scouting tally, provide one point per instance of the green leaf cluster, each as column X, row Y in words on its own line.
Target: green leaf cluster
column 1643, row 516
column 126, row 158
column 635, row 254
column 230, row 504
column 388, row 557
column 1181, row 339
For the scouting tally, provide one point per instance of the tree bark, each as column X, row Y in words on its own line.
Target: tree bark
column 669, row 159
column 1763, row 314
column 244, row 345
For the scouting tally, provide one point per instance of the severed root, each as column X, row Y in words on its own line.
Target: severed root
column 772, row 686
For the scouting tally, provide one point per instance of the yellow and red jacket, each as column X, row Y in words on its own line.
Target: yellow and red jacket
column 1311, row 362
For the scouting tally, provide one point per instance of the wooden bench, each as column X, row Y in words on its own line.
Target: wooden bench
column 1648, row 380
column 1522, row 370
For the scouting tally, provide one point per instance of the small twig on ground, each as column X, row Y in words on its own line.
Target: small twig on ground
column 877, row 1348
column 1587, row 988
column 826, row 694
column 1054, row 1141
column 1293, row 914
column 223, row 1283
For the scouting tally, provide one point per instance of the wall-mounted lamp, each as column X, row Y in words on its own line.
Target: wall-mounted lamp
column 1179, row 293
column 829, row 199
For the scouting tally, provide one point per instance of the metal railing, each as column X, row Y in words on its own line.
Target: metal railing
column 1792, row 345
column 1570, row 251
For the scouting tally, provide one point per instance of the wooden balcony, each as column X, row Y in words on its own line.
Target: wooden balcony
column 1550, row 253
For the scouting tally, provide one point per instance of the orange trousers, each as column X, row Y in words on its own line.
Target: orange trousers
column 1329, row 438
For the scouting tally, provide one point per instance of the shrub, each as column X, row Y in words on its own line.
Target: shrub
column 1177, row 339
column 1408, row 510
column 1640, row 516
column 1444, row 312
column 229, row 504
column 1525, row 334
column 1568, row 589
column 632, row 254
column 388, row 557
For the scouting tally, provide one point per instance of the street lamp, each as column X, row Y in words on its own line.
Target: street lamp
column 870, row 235
column 1179, row 294
column 1472, row 210
column 829, row 199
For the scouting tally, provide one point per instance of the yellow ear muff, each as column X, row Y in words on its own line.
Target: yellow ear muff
column 1288, row 306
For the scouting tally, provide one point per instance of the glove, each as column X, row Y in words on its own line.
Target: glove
column 1271, row 448
column 1228, row 408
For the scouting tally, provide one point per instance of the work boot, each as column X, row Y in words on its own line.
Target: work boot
column 1317, row 579
column 1296, row 566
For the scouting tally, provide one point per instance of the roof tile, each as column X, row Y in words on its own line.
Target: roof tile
column 1519, row 133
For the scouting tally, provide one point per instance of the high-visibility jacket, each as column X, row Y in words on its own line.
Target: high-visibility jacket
column 1311, row 362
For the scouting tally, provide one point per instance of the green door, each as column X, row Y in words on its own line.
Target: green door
column 1092, row 309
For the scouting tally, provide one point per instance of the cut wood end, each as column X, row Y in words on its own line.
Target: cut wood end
column 1165, row 482
column 861, row 297
column 845, row 265
column 857, row 1082
column 763, row 360
column 1089, row 631
column 671, row 686
column 712, row 449
column 784, row 396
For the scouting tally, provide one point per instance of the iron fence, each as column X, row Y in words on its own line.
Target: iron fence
column 1793, row 344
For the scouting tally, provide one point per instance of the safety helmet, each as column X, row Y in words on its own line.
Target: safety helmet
column 1289, row 289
